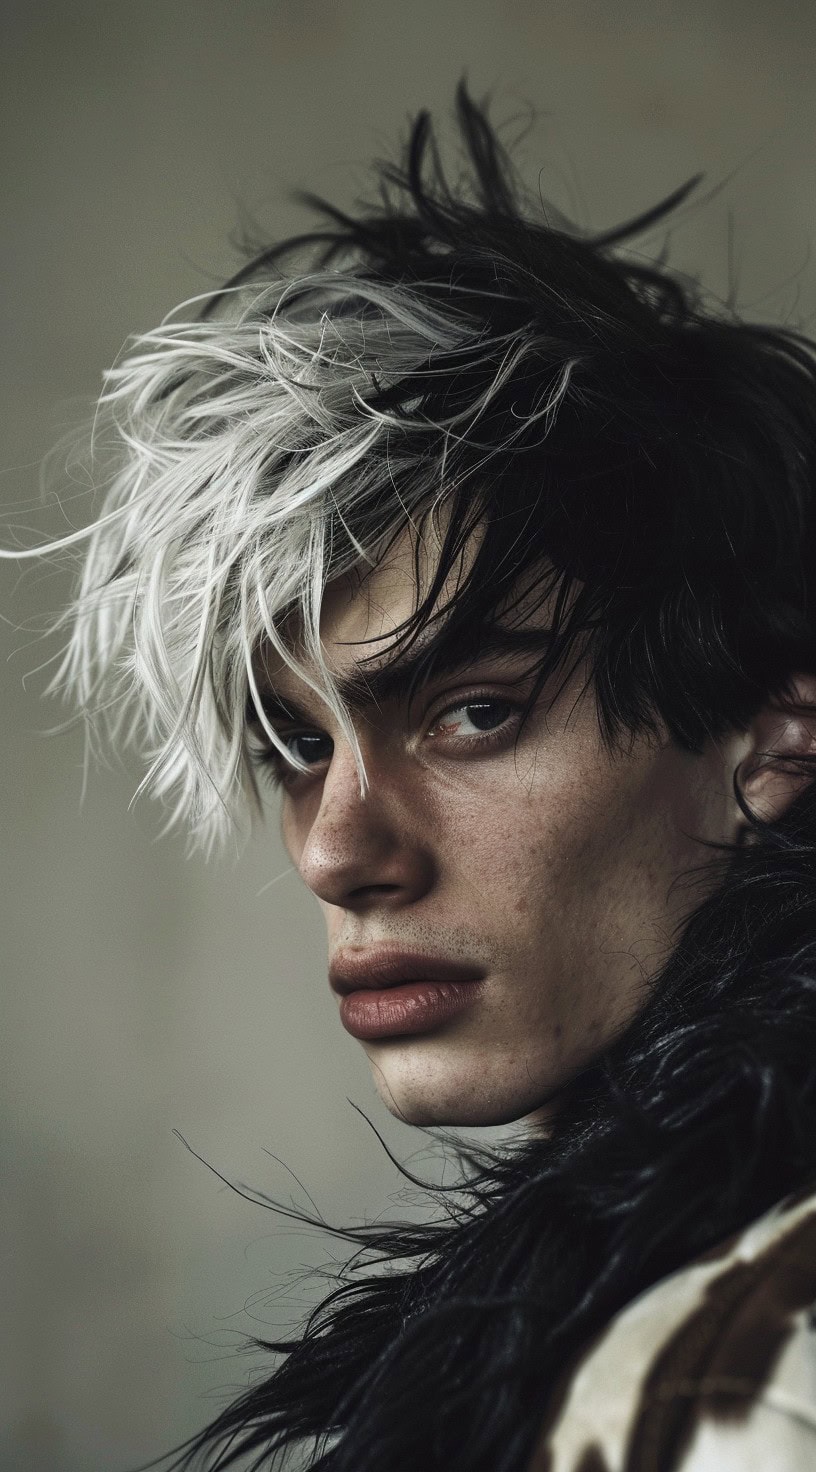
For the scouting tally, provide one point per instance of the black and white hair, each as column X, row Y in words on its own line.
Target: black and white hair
column 447, row 350
column 454, row 356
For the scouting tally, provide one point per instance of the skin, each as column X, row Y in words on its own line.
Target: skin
column 551, row 863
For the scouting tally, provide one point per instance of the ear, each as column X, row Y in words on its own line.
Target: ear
column 779, row 735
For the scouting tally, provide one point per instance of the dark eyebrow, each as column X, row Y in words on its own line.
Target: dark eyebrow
column 404, row 676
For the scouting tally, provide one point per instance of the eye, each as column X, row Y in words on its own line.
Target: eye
column 309, row 747
column 473, row 718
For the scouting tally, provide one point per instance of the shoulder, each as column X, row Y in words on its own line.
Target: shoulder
column 711, row 1370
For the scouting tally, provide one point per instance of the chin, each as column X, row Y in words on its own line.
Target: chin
column 425, row 1096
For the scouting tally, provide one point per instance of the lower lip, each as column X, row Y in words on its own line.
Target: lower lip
column 397, row 1011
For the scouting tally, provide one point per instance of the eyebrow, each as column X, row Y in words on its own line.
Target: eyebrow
column 404, row 676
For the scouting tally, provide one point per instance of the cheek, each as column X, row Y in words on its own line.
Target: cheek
column 583, row 855
column 520, row 867
column 520, row 837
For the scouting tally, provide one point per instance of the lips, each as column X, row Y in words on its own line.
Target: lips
column 370, row 970
column 388, row 993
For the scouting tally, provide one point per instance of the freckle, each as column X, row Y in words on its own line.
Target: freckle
column 521, row 907
column 558, row 1031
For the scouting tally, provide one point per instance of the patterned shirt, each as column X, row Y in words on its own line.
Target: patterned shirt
column 711, row 1370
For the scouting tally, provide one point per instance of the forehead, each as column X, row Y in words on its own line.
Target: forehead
column 363, row 614
column 361, row 611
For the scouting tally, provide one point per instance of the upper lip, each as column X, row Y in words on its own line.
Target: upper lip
column 352, row 971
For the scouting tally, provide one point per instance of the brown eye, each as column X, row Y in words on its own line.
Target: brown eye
column 309, row 747
column 486, row 715
column 473, row 717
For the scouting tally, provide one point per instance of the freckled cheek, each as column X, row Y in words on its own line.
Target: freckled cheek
column 515, row 852
column 545, row 869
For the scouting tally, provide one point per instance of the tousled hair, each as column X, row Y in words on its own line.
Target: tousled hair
column 645, row 461
column 452, row 356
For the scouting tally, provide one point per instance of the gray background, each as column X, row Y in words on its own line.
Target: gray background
column 144, row 992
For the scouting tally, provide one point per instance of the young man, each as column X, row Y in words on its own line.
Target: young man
column 494, row 548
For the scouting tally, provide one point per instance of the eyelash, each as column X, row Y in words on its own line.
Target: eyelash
column 280, row 774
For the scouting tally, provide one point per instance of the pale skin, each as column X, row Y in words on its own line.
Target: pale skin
column 550, row 863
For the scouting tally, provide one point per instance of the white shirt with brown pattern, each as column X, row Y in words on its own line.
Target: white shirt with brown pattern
column 711, row 1370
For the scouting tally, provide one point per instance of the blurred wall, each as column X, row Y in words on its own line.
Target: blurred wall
column 143, row 992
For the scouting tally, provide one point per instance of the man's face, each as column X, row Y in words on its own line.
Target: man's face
column 499, row 899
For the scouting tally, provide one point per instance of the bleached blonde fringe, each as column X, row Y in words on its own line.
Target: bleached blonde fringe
column 249, row 468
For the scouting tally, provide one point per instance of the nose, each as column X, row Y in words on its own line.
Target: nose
column 362, row 852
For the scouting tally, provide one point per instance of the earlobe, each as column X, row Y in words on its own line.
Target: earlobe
column 782, row 757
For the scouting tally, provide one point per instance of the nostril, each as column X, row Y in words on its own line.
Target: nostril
column 374, row 891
